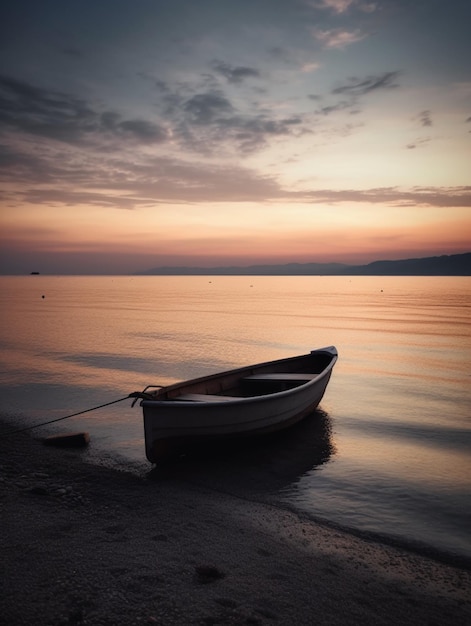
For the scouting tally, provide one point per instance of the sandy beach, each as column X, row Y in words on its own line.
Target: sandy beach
column 83, row 544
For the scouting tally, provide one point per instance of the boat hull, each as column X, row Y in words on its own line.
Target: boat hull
column 268, row 398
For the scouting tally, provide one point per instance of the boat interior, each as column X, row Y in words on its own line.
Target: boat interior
column 258, row 380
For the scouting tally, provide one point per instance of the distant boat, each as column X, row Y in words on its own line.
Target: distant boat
column 34, row 274
column 247, row 401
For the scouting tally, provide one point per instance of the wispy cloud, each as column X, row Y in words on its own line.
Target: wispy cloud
column 307, row 68
column 418, row 143
column 342, row 6
column 425, row 118
column 235, row 74
column 116, row 181
column 417, row 196
column 361, row 86
column 334, row 108
column 338, row 37
column 354, row 89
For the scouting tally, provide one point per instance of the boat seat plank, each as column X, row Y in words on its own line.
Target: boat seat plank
column 288, row 377
column 204, row 397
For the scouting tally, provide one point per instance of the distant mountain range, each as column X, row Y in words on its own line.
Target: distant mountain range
column 446, row 265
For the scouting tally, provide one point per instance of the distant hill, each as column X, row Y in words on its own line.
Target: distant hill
column 446, row 265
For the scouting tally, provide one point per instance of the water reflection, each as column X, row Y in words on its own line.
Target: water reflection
column 263, row 465
column 399, row 396
column 438, row 435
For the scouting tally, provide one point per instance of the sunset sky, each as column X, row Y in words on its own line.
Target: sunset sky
column 142, row 133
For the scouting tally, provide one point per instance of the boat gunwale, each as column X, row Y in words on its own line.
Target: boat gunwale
column 231, row 400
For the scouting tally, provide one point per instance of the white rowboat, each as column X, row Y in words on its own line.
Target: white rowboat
column 243, row 402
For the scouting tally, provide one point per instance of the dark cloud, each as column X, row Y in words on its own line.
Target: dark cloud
column 200, row 121
column 207, row 108
column 339, row 106
column 233, row 74
column 354, row 89
column 62, row 117
column 360, row 87
column 216, row 124
column 48, row 113
column 143, row 131
column 425, row 118
column 205, row 120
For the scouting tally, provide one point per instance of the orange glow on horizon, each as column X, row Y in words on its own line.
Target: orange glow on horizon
column 230, row 234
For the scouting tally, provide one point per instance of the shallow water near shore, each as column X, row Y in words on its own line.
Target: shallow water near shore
column 389, row 451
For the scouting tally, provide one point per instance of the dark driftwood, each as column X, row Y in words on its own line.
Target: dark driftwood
column 68, row 440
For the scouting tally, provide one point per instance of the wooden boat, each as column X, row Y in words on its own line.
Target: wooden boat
column 242, row 402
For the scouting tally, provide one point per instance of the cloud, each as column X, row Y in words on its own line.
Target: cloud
column 205, row 120
column 191, row 119
column 418, row 143
column 442, row 197
column 307, row 68
column 118, row 182
column 362, row 86
column 333, row 108
column 425, row 118
column 207, row 108
column 48, row 113
column 142, row 131
column 337, row 38
column 355, row 88
column 342, row 6
column 235, row 75
column 70, row 197
column 130, row 184
column 65, row 118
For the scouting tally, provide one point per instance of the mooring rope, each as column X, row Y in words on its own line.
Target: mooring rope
column 134, row 394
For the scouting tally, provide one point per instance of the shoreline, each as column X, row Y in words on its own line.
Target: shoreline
column 85, row 544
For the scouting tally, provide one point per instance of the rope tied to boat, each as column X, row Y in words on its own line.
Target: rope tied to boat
column 135, row 394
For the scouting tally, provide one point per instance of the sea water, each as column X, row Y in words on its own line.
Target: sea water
column 389, row 451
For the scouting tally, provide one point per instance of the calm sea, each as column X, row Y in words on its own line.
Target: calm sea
column 389, row 453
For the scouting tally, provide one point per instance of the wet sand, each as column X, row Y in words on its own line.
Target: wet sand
column 83, row 544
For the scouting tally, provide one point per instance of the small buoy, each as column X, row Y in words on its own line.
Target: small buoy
column 43, row 297
column 68, row 440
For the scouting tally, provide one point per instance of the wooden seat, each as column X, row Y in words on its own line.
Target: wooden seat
column 203, row 397
column 281, row 377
